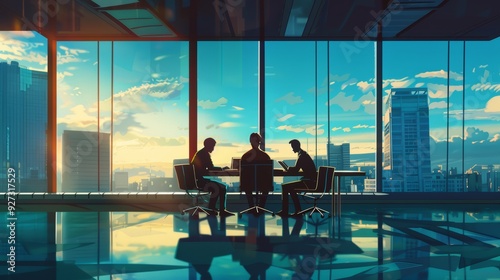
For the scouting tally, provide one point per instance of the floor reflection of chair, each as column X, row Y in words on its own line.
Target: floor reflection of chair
column 257, row 177
column 254, row 251
column 186, row 178
column 199, row 250
column 324, row 183
column 307, row 253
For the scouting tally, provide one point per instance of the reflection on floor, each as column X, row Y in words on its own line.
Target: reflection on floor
column 366, row 242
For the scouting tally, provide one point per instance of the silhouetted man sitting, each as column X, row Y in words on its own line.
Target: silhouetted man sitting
column 255, row 155
column 308, row 180
column 202, row 162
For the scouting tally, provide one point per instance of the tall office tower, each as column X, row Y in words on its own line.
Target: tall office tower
column 406, row 141
column 23, row 121
column 86, row 161
column 339, row 156
column 121, row 181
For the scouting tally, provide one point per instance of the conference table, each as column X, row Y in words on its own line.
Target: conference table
column 336, row 198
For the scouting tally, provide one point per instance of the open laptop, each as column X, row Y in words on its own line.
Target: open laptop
column 283, row 164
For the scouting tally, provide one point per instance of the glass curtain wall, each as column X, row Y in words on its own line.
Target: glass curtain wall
column 117, row 102
column 291, row 100
column 439, row 137
column 23, row 111
column 352, row 91
column 227, row 99
column 150, row 114
column 481, row 116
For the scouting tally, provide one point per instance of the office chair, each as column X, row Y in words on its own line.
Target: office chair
column 186, row 177
column 324, row 183
column 257, row 176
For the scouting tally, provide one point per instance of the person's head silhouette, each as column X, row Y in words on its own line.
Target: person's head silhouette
column 295, row 145
column 255, row 140
column 209, row 144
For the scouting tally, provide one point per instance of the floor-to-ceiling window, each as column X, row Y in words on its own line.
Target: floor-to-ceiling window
column 290, row 87
column 415, row 76
column 23, row 106
column 122, row 114
column 227, row 98
column 481, row 116
column 352, row 91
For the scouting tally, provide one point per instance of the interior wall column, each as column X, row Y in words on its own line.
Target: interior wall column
column 379, row 114
column 51, row 115
column 193, row 81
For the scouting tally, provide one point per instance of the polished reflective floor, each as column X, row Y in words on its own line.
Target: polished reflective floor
column 365, row 242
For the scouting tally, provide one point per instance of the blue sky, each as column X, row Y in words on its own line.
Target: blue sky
column 151, row 93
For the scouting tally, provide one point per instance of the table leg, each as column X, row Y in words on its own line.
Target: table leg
column 339, row 198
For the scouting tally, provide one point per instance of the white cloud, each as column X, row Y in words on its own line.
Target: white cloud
column 404, row 83
column 68, row 55
column 417, row 85
column 346, row 129
column 309, row 129
column 439, row 90
column 475, row 114
column 345, row 102
column 315, row 130
column 438, row 105
column 290, row 128
column 238, row 108
column 495, row 138
column 336, row 128
column 483, row 66
column 227, row 125
column 486, row 86
column 361, row 126
column 365, row 86
column 285, row 117
column 350, row 82
column 207, row 104
column 440, row 74
column 290, row 98
column 13, row 49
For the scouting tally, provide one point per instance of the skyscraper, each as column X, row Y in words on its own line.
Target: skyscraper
column 23, row 121
column 86, row 161
column 407, row 163
column 339, row 156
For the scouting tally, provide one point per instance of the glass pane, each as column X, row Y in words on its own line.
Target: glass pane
column 352, row 113
column 150, row 114
column 482, row 116
column 23, row 103
column 290, row 102
column 227, row 99
column 415, row 125
column 80, row 143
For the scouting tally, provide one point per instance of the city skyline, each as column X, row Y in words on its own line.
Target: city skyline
column 150, row 83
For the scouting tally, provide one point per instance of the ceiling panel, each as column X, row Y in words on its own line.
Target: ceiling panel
column 241, row 19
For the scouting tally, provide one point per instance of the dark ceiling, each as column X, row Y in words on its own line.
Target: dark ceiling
column 241, row 19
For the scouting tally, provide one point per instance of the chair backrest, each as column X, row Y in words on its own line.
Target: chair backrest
column 324, row 180
column 235, row 163
column 186, row 176
column 257, row 175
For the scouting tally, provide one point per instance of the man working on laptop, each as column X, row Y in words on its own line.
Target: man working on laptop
column 308, row 180
column 202, row 162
